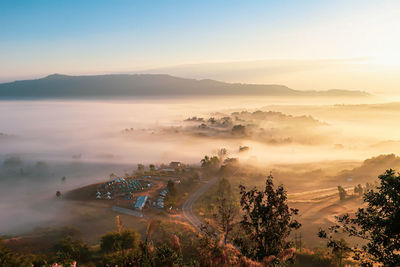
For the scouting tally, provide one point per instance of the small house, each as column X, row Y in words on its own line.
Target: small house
column 141, row 202
column 175, row 164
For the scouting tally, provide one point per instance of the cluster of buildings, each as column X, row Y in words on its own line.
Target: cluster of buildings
column 125, row 186
column 106, row 195
column 161, row 197
column 142, row 200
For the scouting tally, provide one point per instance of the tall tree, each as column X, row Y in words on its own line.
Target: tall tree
column 171, row 188
column 140, row 168
column 226, row 212
column 210, row 162
column 378, row 224
column 267, row 220
column 342, row 193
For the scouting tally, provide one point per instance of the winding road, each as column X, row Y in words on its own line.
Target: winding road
column 187, row 207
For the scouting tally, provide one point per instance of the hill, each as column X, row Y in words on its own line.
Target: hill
column 131, row 85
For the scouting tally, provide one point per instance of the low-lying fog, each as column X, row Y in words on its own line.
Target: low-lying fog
column 84, row 141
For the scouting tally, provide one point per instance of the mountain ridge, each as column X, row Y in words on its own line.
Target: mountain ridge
column 131, row 85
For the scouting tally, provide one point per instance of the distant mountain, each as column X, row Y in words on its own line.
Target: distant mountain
column 131, row 85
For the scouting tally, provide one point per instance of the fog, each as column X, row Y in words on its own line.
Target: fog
column 84, row 141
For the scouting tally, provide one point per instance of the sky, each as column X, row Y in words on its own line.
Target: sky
column 40, row 37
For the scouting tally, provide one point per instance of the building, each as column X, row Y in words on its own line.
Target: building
column 141, row 202
column 175, row 164
column 160, row 202
column 164, row 193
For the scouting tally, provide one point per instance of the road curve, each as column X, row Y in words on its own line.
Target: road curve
column 187, row 207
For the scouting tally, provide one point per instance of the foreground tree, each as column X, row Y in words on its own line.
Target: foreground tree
column 114, row 241
column 226, row 208
column 226, row 212
column 69, row 250
column 378, row 224
column 267, row 222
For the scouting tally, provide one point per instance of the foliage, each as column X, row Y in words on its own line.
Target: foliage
column 152, row 167
column 267, row 221
column 226, row 208
column 171, row 188
column 140, row 168
column 214, row 252
column 166, row 255
column 114, row 241
column 12, row 161
column 130, row 258
column 342, row 193
column 11, row 259
column 312, row 258
column 239, row 130
column 210, row 162
column 358, row 189
column 69, row 250
column 222, row 153
column 378, row 224
column 226, row 212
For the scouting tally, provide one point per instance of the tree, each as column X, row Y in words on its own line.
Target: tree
column 69, row 250
column 210, row 162
column 226, row 212
column 342, row 193
column 166, row 255
column 340, row 252
column 152, row 167
column 267, row 220
column 215, row 253
column 358, row 189
column 114, row 241
column 377, row 224
column 140, row 168
column 171, row 196
column 224, row 188
column 12, row 161
column 222, row 153
column 6, row 255
column 171, row 188
column 239, row 130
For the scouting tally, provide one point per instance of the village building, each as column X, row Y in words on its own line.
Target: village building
column 141, row 202
column 175, row 164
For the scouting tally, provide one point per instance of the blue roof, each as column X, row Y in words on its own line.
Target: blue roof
column 140, row 202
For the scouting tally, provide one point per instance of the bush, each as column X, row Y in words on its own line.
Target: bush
column 112, row 242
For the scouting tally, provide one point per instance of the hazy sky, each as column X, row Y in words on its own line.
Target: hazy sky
column 38, row 37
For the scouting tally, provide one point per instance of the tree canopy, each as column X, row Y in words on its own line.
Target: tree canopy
column 378, row 224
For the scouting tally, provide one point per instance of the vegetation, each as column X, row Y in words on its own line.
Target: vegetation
column 377, row 225
column 210, row 163
column 342, row 193
column 115, row 241
column 267, row 222
column 249, row 227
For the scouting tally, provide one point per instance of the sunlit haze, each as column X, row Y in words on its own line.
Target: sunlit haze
column 38, row 38
column 209, row 133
